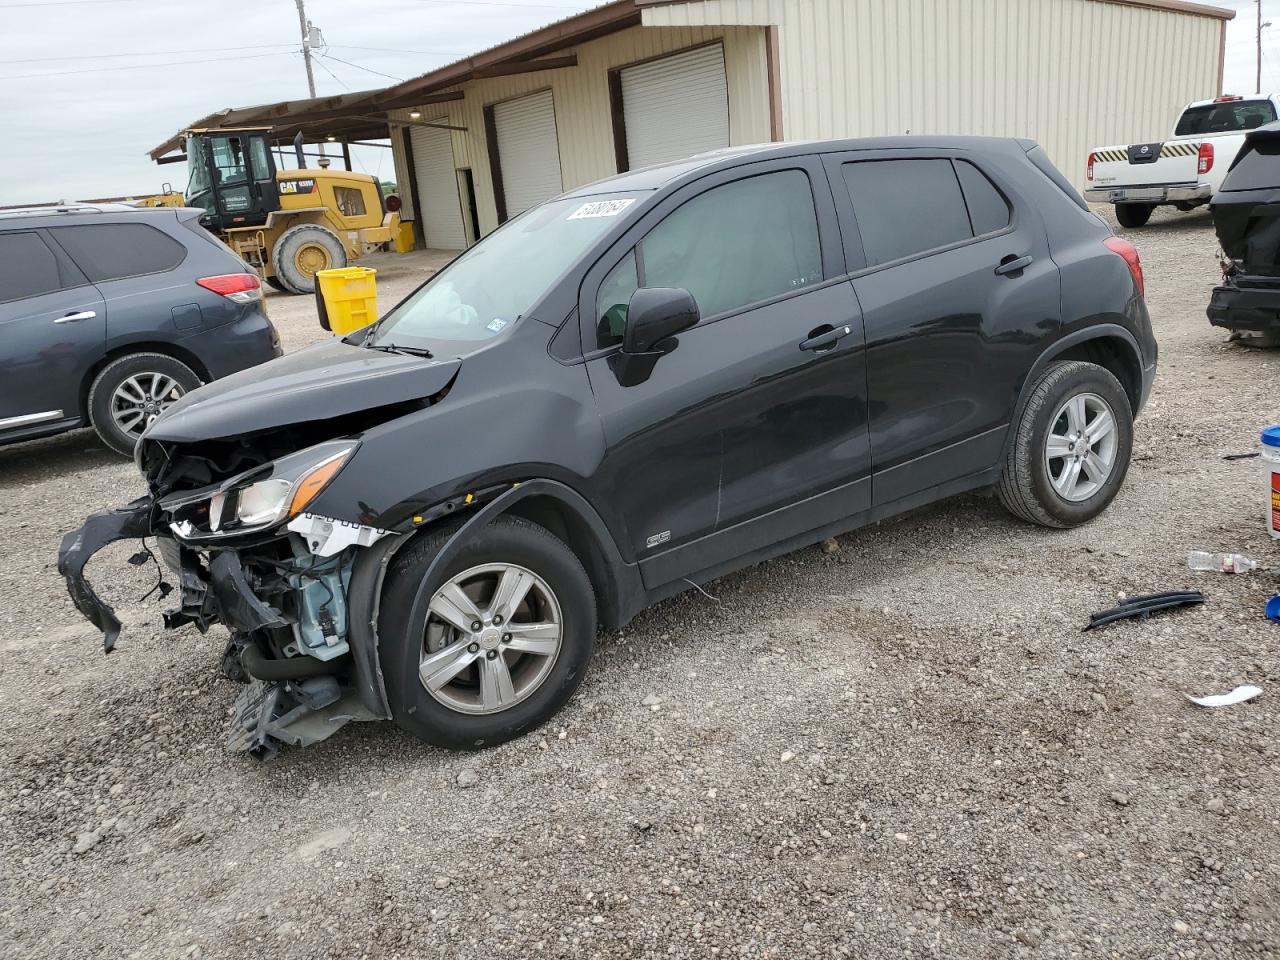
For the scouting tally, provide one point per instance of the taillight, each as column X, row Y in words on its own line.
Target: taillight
column 238, row 287
column 1130, row 254
column 1206, row 158
column 1092, row 156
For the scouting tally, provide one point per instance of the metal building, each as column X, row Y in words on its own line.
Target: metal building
column 637, row 82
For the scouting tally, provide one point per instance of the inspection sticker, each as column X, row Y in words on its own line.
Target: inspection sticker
column 496, row 324
column 601, row 208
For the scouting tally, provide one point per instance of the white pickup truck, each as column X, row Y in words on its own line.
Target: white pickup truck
column 1184, row 171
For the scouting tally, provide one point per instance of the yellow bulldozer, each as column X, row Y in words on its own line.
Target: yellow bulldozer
column 286, row 224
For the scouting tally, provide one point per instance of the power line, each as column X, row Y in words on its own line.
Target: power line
column 142, row 66
column 330, row 56
column 149, row 53
column 331, row 73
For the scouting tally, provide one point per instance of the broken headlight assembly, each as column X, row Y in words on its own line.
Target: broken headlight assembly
column 260, row 499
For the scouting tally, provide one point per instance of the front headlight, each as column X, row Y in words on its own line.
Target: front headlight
column 260, row 498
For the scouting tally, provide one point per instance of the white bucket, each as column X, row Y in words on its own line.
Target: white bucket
column 1271, row 459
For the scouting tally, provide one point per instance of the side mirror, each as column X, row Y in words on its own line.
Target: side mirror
column 654, row 314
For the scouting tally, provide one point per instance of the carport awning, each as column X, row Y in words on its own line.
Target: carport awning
column 363, row 115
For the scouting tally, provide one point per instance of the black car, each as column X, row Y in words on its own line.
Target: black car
column 109, row 313
column 625, row 392
column 1246, row 216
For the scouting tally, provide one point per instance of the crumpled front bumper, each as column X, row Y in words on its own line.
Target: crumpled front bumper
column 214, row 587
column 218, row 594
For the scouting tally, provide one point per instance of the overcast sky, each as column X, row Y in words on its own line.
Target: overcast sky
column 87, row 87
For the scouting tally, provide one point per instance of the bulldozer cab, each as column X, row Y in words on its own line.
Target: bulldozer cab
column 232, row 178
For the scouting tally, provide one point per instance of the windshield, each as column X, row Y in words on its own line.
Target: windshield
column 1227, row 117
column 500, row 279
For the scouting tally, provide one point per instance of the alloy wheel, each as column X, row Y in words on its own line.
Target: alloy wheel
column 142, row 397
column 1080, row 449
column 492, row 635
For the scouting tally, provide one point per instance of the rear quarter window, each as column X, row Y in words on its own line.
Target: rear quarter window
column 114, row 251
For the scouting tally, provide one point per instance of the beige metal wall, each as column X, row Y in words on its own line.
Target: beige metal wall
column 1071, row 74
column 583, row 116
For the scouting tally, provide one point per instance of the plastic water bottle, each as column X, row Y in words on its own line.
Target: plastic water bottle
column 1220, row 562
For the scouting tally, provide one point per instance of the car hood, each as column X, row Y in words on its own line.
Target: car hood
column 329, row 379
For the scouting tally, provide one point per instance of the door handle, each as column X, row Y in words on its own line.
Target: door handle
column 825, row 337
column 1012, row 264
column 77, row 317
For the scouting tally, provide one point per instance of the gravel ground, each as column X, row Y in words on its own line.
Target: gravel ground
column 900, row 747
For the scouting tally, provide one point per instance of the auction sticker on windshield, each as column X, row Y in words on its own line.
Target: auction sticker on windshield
column 601, row 208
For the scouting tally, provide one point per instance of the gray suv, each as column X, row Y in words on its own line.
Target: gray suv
column 109, row 313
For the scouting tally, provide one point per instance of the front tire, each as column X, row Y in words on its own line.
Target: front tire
column 505, row 642
column 1134, row 214
column 1070, row 450
column 303, row 251
column 132, row 391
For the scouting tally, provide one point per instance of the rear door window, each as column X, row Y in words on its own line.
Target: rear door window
column 114, row 251
column 906, row 206
column 28, row 267
column 737, row 244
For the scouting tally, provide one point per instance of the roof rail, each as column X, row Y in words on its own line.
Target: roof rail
column 66, row 208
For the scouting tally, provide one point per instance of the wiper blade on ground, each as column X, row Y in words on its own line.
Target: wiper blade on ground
column 398, row 348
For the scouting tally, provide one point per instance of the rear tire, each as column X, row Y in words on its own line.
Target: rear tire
column 303, row 250
column 459, row 714
column 1134, row 214
column 1035, row 485
column 275, row 284
column 131, row 391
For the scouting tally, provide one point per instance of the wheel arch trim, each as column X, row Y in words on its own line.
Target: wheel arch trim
column 1055, row 350
column 620, row 594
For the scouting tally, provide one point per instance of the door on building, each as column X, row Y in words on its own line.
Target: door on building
column 674, row 107
column 437, row 207
column 528, row 151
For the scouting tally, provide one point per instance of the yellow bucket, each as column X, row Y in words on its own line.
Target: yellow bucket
column 346, row 298
column 404, row 237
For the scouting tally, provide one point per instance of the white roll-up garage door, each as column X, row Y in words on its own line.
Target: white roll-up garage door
column 675, row 106
column 528, row 151
column 437, row 204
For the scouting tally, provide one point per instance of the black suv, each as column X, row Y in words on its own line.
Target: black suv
column 109, row 313
column 624, row 392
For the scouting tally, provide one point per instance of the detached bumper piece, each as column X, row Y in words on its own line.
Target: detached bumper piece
column 131, row 522
column 1256, row 310
column 1144, row 606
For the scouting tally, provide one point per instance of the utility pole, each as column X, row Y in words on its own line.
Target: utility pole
column 305, row 26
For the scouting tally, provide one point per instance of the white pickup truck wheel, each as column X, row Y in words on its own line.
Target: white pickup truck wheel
column 1134, row 214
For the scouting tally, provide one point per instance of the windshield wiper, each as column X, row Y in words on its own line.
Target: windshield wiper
column 398, row 348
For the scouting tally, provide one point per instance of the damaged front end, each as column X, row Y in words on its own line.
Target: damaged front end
column 247, row 553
